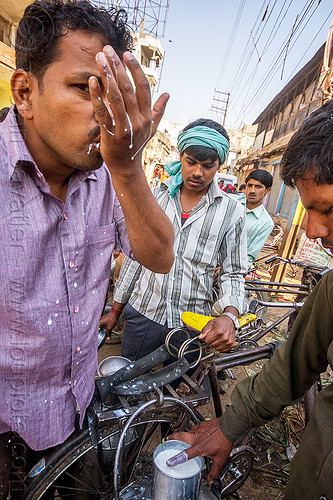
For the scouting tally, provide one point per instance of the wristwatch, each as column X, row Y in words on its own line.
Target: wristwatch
column 233, row 318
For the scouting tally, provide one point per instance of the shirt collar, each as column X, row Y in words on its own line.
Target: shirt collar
column 257, row 211
column 18, row 153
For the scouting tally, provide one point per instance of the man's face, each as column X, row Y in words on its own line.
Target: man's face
column 255, row 192
column 64, row 126
column 318, row 201
column 197, row 175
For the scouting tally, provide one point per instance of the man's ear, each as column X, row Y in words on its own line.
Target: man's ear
column 267, row 191
column 22, row 85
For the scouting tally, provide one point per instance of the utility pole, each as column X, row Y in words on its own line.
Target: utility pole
column 220, row 105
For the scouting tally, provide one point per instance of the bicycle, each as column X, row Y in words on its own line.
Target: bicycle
column 251, row 291
column 311, row 274
column 253, row 332
column 252, row 325
column 127, row 409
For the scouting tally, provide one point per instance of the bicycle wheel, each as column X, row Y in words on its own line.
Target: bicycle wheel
column 260, row 295
column 81, row 471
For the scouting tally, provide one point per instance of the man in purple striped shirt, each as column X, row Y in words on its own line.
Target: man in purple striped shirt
column 72, row 190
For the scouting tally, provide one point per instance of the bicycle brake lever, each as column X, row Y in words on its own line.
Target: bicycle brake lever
column 270, row 260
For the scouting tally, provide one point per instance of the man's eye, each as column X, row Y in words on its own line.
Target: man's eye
column 328, row 211
column 82, row 86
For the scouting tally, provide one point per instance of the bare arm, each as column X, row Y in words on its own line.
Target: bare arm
column 127, row 122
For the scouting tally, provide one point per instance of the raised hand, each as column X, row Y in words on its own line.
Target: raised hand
column 125, row 116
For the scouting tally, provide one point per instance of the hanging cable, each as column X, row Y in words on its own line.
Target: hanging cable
column 247, row 45
column 277, row 56
column 273, row 68
column 292, row 74
column 252, row 102
column 235, row 88
column 231, row 40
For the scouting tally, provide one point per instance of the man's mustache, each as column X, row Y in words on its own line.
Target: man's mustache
column 327, row 243
column 94, row 134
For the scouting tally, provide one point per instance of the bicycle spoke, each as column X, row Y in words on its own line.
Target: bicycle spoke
column 67, row 474
column 146, row 436
column 71, row 488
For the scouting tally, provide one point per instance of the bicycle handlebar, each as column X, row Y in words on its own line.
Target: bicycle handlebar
column 135, row 378
column 229, row 360
column 295, row 263
column 139, row 367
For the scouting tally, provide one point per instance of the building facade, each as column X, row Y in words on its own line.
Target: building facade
column 149, row 51
column 11, row 12
column 241, row 143
column 277, row 124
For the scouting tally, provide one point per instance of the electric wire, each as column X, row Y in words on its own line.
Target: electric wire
column 245, row 57
column 275, row 66
column 233, row 35
column 276, row 57
column 270, row 75
column 267, row 45
column 292, row 74
column 238, row 86
column 231, row 40
column 250, row 105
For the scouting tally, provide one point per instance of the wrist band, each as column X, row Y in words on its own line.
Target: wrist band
column 114, row 310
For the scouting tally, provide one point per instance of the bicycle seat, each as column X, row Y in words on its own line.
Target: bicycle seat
column 199, row 321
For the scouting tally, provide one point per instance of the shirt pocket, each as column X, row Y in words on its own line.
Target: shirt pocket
column 102, row 234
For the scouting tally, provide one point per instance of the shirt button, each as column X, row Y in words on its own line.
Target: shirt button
column 74, row 382
column 65, row 216
column 76, row 309
column 71, row 263
column 78, row 349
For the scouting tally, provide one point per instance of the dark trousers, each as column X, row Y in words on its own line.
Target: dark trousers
column 16, row 460
column 141, row 335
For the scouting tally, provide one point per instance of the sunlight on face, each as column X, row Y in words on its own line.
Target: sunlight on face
column 318, row 202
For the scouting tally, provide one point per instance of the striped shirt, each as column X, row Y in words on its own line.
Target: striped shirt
column 214, row 233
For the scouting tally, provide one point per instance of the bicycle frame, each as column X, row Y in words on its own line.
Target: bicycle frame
column 258, row 333
column 104, row 422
